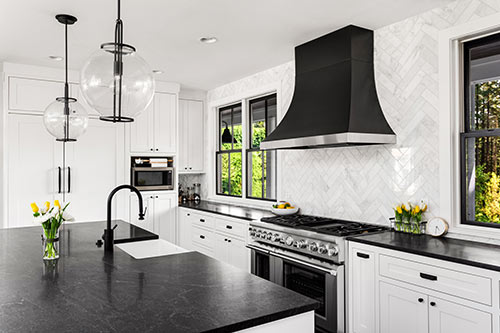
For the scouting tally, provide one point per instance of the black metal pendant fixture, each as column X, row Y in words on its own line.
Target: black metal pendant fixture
column 65, row 118
column 116, row 81
column 226, row 135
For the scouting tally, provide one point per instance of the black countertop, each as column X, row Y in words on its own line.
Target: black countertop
column 87, row 291
column 471, row 253
column 240, row 212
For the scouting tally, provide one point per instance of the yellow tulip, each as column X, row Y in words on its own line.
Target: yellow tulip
column 424, row 208
column 400, row 211
column 47, row 205
column 34, row 207
column 403, row 206
column 417, row 209
column 57, row 204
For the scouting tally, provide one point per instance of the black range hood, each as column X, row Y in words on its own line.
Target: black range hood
column 335, row 101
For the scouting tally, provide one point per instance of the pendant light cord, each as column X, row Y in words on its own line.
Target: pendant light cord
column 118, row 66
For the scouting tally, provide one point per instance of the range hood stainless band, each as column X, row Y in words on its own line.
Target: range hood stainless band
column 330, row 140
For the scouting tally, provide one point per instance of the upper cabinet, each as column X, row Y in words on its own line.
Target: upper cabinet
column 191, row 136
column 155, row 130
column 32, row 95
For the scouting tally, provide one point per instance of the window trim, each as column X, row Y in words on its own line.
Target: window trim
column 450, row 122
column 212, row 114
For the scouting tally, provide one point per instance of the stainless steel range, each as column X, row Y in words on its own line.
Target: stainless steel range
column 306, row 254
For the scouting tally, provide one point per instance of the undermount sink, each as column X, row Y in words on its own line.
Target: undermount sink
column 151, row 248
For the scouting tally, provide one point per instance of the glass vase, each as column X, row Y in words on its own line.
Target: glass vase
column 50, row 245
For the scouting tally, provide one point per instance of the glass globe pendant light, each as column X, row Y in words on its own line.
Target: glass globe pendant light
column 116, row 81
column 65, row 118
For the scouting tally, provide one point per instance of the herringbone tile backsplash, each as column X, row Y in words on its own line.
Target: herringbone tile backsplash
column 364, row 183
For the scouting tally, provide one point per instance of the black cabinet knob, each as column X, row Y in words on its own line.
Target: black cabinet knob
column 99, row 243
column 432, row 303
column 156, row 149
column 420, row 300
column 156, row 197
column 151, row 149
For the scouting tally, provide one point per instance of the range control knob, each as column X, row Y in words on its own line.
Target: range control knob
column 322, row 249
column 257, row 234
column 333, row 251
column 301, row 244
column 252, row 232
column 263, row 235
column 289, row 241
column 313, row 247
column 269, row 236
column 275, row 238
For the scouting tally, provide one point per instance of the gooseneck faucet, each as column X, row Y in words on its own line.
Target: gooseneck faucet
column 108, row 236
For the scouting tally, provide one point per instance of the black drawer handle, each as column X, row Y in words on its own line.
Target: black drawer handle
column 420, row 300
column 202, row 220
column 229, row 226
column 428, row 277
column 432, row 303
column 363, row 255
column 202, row 237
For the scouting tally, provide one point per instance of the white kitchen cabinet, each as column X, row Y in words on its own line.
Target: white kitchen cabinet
column 402, row 310
column 231, row 250
column 33, row 95
column 95, row 166
column 191, row 136
column 160, row 214
column 363, row 291
column 32, row 167
column 155, row 130
column 184, row 227
column 449, row 317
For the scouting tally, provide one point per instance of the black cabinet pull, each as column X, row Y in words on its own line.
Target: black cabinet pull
column 156, row 197
column 202, row 237
column 59, row 180
column 156, row 149
column 363, row 255
column 188, row 214
column 69, row 180
column 432, row 303
column 229, row 226
column 428, row 277
column 420, row 300
column 202, row 220
column 151, row 149
column 229, row 240
column 225, row 239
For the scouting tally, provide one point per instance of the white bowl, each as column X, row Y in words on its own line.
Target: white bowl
column 283, row 211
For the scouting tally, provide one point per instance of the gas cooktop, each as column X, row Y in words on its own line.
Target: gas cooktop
column 323, row 225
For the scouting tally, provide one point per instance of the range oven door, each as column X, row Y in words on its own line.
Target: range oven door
column 148, row 178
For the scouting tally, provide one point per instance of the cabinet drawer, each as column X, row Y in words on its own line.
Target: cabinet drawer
column 235, row 228
column 203, row 237
column 203, row 221
column 452, row 282
column 202, row 249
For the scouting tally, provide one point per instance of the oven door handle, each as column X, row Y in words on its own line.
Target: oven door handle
column 297, row 261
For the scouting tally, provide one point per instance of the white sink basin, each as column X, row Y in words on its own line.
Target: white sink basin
column 150, row 248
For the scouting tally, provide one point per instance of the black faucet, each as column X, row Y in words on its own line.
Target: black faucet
column 108, row 236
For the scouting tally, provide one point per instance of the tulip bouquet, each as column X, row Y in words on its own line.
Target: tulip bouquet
column 50, row 218
column 408, row 218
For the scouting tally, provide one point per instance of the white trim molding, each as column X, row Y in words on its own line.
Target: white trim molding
column 450, row 119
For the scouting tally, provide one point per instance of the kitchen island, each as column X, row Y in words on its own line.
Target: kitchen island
column 88, row 290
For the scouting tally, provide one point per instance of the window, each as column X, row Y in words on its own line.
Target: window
column 229, row 163
column 480, row 139
column 238, row 155
column 261, row 164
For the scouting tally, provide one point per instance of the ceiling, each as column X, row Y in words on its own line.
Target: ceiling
column 253, row 34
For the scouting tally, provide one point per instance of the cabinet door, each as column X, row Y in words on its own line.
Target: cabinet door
column 238, row 254
column 165, row 122
column 221, row 251
column 164, row 216
column 196, row 138
column 402, row 310
column 362, row 286
column 448, row 317
column 183, row 159
column 141, row 131
column 148, row 201
column 32, row 172
column 32, row 94
column 185, row 229
column 96, row 164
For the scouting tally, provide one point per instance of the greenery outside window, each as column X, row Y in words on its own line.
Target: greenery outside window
column 480, row 140
column 261, row 164
column 229, row 153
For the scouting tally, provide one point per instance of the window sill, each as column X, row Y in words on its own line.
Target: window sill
column 255, row 203
column 475, row 233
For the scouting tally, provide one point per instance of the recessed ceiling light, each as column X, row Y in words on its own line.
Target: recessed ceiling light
column 56, row 58
column 157, row 71
column 208, row 40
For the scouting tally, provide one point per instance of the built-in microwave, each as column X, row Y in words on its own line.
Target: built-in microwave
column 147, row 175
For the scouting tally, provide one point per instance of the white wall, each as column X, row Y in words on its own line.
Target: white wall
column 364, row 183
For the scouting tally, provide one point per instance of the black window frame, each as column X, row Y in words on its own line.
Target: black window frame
column 468, row 132
column 228, row 152
column 252, row 149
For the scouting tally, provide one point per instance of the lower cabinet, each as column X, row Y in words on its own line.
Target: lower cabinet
column 160, row 214
column 219, row 237
column 392, row 292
